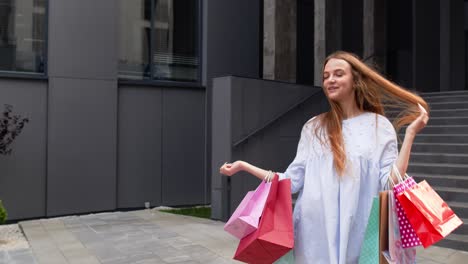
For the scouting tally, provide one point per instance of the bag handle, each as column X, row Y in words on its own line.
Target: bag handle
column 401, row 179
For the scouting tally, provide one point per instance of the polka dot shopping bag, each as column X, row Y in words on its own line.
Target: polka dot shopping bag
column 407, row 233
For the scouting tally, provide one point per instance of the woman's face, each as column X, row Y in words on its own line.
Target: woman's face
column 338, row 80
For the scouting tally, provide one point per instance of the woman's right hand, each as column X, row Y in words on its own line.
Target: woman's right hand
column 230, row 169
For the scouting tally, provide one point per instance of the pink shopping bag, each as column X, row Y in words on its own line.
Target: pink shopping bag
column 407, row 233
column 245, row 218
column 396, row 254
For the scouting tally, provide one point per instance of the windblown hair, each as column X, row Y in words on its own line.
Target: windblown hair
column 373, row 93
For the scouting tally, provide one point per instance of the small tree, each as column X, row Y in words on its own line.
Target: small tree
column 10, row 127
column 3, row 213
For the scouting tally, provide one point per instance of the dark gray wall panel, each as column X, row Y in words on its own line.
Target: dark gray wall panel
column 231, row 39
column 82, row 146
column 258, row 121
column 426, row 45
column 184, row 180
column 221, row 143
column 231, row 45
column 83, row 38
column 23, row 174
column 140, row 146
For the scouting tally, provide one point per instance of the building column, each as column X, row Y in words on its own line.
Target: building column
column 452, row 48
column 319, row 40
column 279, row 40
column 374, row 33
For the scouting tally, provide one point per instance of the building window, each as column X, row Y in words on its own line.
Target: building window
column 22, row 36
column 159, row 40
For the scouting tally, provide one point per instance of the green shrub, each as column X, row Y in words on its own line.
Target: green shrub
column 202, row 212
column 3, row 213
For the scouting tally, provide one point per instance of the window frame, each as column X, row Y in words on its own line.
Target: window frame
column 34, row 75
column 169, row 83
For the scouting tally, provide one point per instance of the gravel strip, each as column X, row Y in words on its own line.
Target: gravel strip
column 11, row 238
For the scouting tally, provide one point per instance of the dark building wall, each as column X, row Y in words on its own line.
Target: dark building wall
column 400, row 42
column 95, row 143
column 139, row 146
column 161, row 146
column 257, row 121
column 426, row 47
column 23, row 173
column 231, row 46
column 82, row 98
column 352, row 26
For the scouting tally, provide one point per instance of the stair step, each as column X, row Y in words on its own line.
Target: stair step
column 457, row 120
column 462, row 112
column 447, row 98
column 445, row 121
column 460, row 208
column 439, row 138
column 448, row 105
column 429, row 157
column 440, row 147
column 456, row 92
column 443, row 129
column 438, row 168
column 463, row 229
column 442, row 180
column 452, row 194
column 454, row 241
column 449, row 112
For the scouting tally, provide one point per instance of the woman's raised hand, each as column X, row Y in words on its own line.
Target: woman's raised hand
column 230, row 169
column 419, row 123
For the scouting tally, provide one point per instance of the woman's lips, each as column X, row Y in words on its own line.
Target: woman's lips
column 332, row 88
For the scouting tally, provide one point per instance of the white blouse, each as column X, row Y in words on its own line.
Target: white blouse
column 331, row 212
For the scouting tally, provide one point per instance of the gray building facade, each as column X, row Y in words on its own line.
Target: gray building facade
column 135, row 101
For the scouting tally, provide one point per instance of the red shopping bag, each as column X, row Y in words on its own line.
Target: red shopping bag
column 274, row 236
column 429, row 215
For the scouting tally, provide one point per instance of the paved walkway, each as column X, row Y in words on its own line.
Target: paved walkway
column 145, row 236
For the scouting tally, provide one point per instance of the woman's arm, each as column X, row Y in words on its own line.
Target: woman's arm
column 230, row 169
column 405, row 151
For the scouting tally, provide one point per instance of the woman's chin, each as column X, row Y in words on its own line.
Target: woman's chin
column 334, row 97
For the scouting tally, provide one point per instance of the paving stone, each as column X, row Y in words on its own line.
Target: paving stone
column 147, row 236
column 459, row 257
column 436, row 254
column 106, row 252
column 140, row 258
column 50, row 257
column 177, row 259
column 84, row 260
column 4, row 257
column 166, row 234
column 19, row 252
column 23, row 259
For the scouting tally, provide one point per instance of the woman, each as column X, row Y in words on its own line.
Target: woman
column 344, row 158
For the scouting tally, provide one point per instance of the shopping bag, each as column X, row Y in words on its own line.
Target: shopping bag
column 429, row 215
column 383, row 225
column 407, row 233
column 396, row 254
column 274, row 236
column 370, row 246
column 245, row 218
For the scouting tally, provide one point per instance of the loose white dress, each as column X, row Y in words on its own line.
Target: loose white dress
column 331, row 212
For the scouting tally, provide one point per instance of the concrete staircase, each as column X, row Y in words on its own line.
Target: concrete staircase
column 440, row 156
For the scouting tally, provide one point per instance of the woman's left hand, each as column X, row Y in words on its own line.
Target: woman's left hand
column 419, row 123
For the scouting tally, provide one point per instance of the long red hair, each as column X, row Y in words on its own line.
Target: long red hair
column 373, row 92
